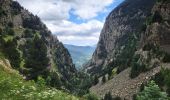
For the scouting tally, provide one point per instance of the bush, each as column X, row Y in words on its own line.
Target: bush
column 108, row 96
column 166, row 58
column 104, row 79
column 10, row 24
column 13, row 54
column 152, row 92
column 91, row 97
column 96, row 80
column 2, row 12
column 28, row 33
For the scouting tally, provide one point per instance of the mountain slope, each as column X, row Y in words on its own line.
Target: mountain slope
column 151, row 57
column 80, row 54
column 31, row 48
column 13, row 86
column 123, row 21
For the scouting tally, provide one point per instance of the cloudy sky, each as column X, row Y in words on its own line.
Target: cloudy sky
column 76, row 22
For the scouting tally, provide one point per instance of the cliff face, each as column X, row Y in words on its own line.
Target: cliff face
column 153, row 54
column 30, row 46
column 126, row 19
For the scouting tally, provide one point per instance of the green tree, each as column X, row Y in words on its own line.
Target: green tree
column 152, row 92
column 36, row 60
column 104, row 79
column 96, row 80
column 108, row 96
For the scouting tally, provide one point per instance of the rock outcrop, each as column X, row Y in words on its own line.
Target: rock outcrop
column 126, row 19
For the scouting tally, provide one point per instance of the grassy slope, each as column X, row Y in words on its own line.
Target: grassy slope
column 13, row 87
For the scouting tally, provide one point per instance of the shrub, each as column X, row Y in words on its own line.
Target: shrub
column 13, row 54
column 28, row 33
column 104, row 79
column 152, row 92
column 10, row 24
column 166, row 58
column 91, row 97
column 2, row 12
column 96, row 80
column 108, row 96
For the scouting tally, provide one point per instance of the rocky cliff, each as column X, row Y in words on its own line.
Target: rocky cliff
column 150, row 57
column 31, row 48
column 123, row 21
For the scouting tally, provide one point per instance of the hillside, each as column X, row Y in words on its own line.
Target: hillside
column 80, row 54
column 12, row 86
column 143, row 57
column 123, row 21
column 31, row 48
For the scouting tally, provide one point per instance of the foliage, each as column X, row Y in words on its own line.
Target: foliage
column 125, row 54
column 108, row 96
column 112, row 73
column 96, row 80
column 13, row 87
column 11, row 51
column 2, row 12
column 104, row 79
column 166, row 58
column 152, row 92
column 162, row 79
column 137, row 66
column 32, row 23
column 16, row 8
column 28, row 33
column 37, row 60
column 91, row 97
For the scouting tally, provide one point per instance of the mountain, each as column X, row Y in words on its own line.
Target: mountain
column 124, row 20
column 133, row 49
column 80, row 54
column 31, row 48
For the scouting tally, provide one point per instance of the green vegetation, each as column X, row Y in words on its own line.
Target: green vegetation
column 91, row 97
column 137, row 66
column 104, row 79
column 108, row 96
column 125, row 54
column 2, row 12
column 163, row 79
column 112, row 73
column 36, row 61
column 166, row 58
column 13, row 87
column 152, row 92
column 96, row 80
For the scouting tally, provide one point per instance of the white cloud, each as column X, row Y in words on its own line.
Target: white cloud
column 56, row 13
column 84, row 34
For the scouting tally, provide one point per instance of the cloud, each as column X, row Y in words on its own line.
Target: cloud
column 67, row 31
column 57, row 14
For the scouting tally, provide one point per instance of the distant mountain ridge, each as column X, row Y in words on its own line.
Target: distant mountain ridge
column 80, row 54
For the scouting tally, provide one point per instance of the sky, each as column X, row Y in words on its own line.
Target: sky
column 76, row 22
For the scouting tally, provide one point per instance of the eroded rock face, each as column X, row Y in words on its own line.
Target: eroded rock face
column 127, row 18
column 159, row 31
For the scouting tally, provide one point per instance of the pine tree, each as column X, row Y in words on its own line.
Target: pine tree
column 152, row 92
column 37, row 60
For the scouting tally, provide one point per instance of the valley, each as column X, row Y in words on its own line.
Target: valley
column 131, row 60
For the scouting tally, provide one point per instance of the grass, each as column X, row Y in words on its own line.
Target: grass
column 13, row 87
column 8, row 38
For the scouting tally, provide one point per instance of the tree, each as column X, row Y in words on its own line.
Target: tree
column 104, row 79
column 108, row 96
column 36, row 60
column 152, row 92
column 96, row 80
